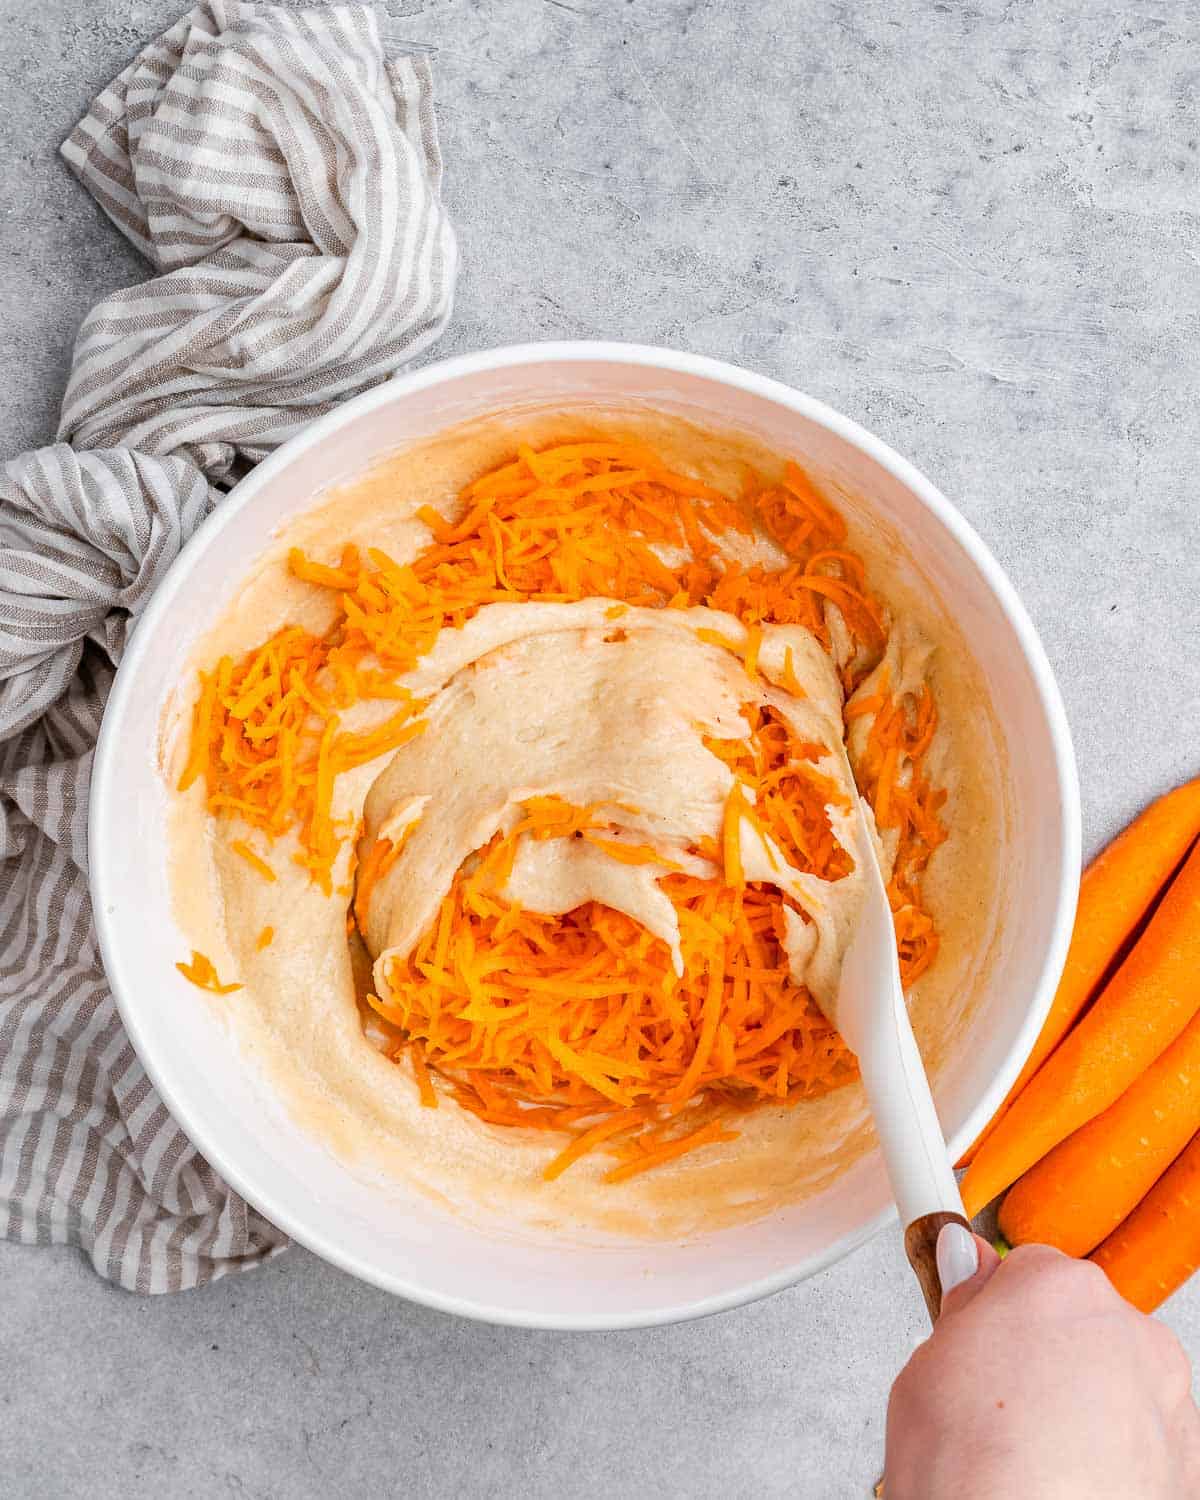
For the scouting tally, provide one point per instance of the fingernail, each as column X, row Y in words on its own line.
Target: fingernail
column 957, row 1256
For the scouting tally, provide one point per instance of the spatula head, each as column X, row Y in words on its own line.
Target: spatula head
column 870, row 982
column 873, row 1018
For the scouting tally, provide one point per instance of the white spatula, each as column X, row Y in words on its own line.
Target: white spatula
column 873, row 1019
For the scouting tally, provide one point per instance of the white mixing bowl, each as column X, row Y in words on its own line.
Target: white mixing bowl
column 407, row 1245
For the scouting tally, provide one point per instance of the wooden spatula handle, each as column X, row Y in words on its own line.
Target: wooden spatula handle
column 920, row 1245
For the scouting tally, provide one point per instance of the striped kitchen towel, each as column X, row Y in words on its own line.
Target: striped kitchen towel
column 283, row 176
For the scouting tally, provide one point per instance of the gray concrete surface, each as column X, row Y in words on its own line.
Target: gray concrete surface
column 973, row 226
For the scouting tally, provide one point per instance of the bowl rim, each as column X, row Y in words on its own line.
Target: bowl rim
column 258, row 1193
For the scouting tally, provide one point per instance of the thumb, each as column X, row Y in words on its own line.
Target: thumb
column 965, row 1264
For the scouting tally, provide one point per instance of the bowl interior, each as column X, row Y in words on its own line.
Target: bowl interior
column 400, row 1241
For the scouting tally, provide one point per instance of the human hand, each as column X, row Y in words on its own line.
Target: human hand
column 1040, row 1381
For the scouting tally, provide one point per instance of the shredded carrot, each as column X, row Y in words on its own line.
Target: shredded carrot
column 731, row 837
column 754, row 637
column 239, row 846
column 707, row 1135
column 421, row 1072
column 790, row 681
column 265, row 938
column 203, row 975
column 579, row 1022
column 715, row 638
column 630, row 854
column 383, row 853
column 540, row 1021
column 588, row 1139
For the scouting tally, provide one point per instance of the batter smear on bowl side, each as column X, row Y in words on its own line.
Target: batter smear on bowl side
column 538, row 788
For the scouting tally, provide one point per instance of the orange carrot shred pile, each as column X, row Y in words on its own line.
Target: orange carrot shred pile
column 579, row 1023
column 902, row 732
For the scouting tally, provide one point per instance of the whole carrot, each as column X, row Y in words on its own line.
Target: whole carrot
column 1144, row 1007
column 1157, row 1248
column 1116, row 891
column 1082, row 1190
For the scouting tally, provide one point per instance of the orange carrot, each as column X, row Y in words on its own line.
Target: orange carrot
column 368, row 874
column 255, row 861
column 630, row 854
column 1116, row 891
column 705, row 1136
column 425, row 1086
column 584, row 1143
column 1157, row 1248
column 1145, row 1006
column 754, row 637
column 199, row 970
column 731, row 836
column 1083, row 1189
column 788, row 677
